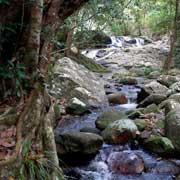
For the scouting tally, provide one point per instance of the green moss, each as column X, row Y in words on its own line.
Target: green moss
column 141, row 124
column 160, row 145
column 89, row 63
column 153, row 108
column 57, row 111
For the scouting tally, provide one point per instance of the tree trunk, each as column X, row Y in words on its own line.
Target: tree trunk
column 176, row 52
column 33, row 45
column 69, row 39
column 173, row 39
column 35, row 122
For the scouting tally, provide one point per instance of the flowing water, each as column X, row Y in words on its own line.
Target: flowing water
column 98, row 168
column 116, row 44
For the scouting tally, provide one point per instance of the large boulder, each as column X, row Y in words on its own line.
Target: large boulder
column 78, row 143
column 172, row 127
column 107, row 118
column 120, row 131
column 151, row 88
column 174, row 88
column 167, row 80
column 169, row 105
column 160, row 145
column 90, row 130
column 175, row 97
column 125, row 162
column 71, row 80
column 152, row 99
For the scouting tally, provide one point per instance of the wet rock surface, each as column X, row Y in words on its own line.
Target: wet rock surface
column 117, row 98
column 80, row 142
column 120, row 131
column 107, row 118
column 125, row 162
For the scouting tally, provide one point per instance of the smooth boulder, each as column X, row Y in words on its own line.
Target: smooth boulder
column 70, row 79
column 125, row 162
column 107, row 118
column 151, row 88
column 167, row 80
column 169, row 105
column 172, row 127
column 78, row 142
column 117, row 98
column 174, row 88
column 120, row 131
column 76, row 107
column 160, row 145
column 152, row 99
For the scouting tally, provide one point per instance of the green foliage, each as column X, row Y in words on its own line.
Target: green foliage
column 36, row 166
column 176, row 52
column 4, row 1
column 16, row 72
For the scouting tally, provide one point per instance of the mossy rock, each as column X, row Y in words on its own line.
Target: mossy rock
column 88, row 63
column 120, row 131
column 160, row 124
column 127, row 80
column 108, row 117
column 160, row 145
column 141, row 124
column 133, row 114
column 152, row 108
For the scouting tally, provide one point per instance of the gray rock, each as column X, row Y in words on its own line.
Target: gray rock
column 125, row 162
column 74, row 80
column 172, row 127
column 79, row 142
column 154, row 74
column 175, row 97
column 107, row 118
column 178, row 178
column 167, row 80
column 166, row 167
column 120, row 131
column 76, row 107
column 174, row 88
column 169, row 105
column 151, row 88
column 152, row 99
column 90, row 130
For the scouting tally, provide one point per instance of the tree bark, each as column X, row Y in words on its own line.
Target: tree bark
column 35, row 122
column 173, row 39
column 33, row 45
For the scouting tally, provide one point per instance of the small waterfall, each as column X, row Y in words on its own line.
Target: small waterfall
column 117, row 41
column 139, row 42
column 90, row 53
